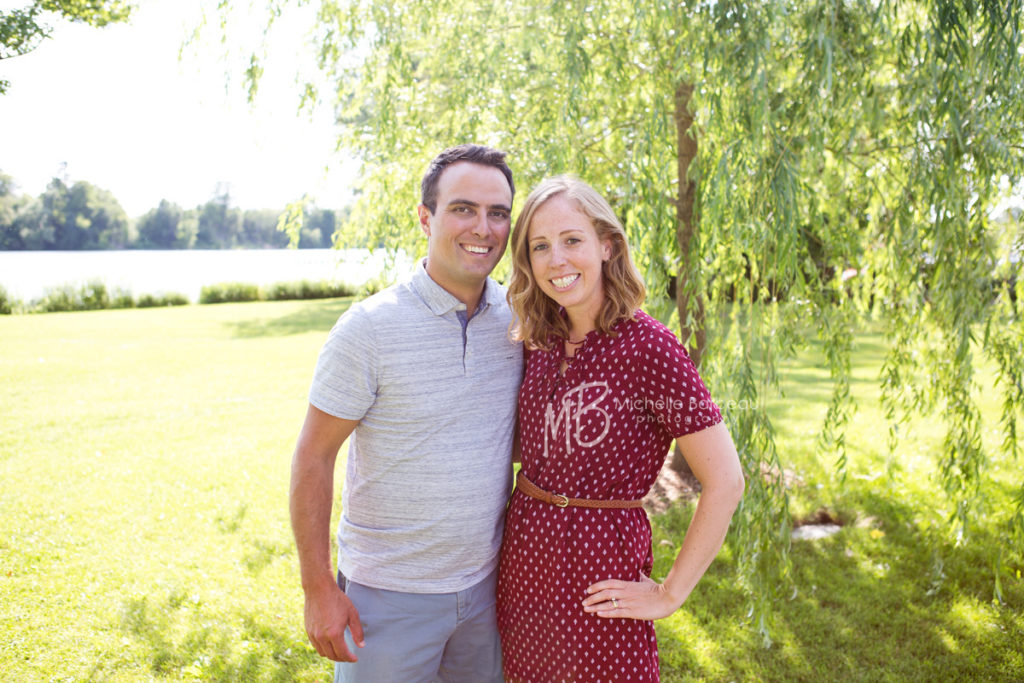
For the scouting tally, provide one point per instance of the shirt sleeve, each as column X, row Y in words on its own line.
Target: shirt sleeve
column 674, row 394
column 345, row 380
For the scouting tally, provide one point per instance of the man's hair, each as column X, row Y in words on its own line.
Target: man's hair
column 537, row 317
column 477, row 154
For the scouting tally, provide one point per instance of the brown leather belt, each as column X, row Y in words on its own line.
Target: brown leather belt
column 529, row 488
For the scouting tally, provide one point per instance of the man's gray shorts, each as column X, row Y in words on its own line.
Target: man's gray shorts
column 414, row 637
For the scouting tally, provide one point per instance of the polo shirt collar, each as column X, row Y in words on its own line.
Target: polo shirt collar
column 441, row 301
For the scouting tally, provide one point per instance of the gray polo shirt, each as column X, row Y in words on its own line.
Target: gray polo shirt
column 429, row 465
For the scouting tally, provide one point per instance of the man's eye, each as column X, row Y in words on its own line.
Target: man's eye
column 462, row 209
column 502, row 215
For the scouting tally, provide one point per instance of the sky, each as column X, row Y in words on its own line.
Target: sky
column 115, row 106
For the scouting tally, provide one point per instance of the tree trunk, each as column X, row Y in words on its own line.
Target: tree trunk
column 690, row 304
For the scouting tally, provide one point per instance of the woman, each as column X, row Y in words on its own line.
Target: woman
column 606, row 390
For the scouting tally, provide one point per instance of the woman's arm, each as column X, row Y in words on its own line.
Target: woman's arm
column 712, row 458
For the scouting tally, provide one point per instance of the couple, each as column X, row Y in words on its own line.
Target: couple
column 432, row 389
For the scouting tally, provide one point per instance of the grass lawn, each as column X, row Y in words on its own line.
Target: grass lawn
column 143, row 521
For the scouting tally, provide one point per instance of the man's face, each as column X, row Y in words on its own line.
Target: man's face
column 468, row 231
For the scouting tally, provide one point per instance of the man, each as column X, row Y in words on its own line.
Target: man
column 424, row 378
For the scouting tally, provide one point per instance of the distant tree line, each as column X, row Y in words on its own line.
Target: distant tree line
column 80, row 216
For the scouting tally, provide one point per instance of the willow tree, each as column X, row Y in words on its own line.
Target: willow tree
column 758, row 153
column 23, row 29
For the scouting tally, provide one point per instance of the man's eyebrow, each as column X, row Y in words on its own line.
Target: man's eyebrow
column 464, row 202
column 470, row 202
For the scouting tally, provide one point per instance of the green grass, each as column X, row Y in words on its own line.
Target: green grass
column 143, row 518
column 144, row 455
column 890, row 597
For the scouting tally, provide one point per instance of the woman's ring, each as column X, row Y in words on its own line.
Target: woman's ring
column 615, row 603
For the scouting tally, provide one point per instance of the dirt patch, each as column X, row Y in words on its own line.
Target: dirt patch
column 668, row 488
column 820, row 516
column 671, row 486
column 788, row 478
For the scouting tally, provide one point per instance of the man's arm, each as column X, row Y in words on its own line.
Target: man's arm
column 328, row 610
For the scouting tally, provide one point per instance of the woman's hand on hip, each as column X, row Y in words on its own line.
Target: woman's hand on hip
column 644, row 599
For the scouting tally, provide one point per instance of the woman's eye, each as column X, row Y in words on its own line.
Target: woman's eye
column 539, row 247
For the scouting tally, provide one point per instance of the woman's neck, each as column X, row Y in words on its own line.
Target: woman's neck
column 580, row 327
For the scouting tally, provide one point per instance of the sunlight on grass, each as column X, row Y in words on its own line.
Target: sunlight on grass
column 145, row 534
column 148, row 528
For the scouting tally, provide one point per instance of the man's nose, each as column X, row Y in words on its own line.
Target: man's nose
column 482, row 226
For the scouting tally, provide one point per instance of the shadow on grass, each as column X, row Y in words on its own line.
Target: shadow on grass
column 263, row 555
column 318, row 315
column 896, row 604
column 230, row 525
column 182, row 641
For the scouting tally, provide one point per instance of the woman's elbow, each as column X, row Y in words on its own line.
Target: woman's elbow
column 739, row 486
column 734, row 487
column 726, row 488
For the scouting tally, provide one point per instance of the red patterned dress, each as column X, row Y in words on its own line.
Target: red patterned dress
column 601, row 430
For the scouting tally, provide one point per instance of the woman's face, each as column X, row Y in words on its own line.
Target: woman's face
column 566, row 256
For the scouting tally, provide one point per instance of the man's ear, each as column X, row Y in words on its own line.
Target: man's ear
column 425, row 216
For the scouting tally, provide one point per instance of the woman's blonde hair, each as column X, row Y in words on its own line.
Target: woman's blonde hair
column 537, row 317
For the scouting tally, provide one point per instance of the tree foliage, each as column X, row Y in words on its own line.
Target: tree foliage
column 22, row 30
column 165, row 227
column 760, row 154
column 79, row 216
column 83, row 216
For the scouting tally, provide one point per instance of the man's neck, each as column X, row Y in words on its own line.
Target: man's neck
column 469, row 295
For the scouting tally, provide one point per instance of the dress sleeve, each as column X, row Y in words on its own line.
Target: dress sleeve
column 673, row 393
column 345, row 379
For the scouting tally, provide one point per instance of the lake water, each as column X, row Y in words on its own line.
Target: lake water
column 27, row 274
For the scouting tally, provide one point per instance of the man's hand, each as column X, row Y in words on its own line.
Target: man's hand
column 328, row 610
column 328, row 613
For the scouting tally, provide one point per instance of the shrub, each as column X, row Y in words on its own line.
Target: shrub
column 93, row 296
column 58, row 299
column 6, row 303
column 228, row 292
column 307, row 289
column 121, row 298
column 372, row 286
column 156, row 300
column 279, row 291
column 175, row 299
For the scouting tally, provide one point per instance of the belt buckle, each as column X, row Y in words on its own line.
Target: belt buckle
column 564, row 503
